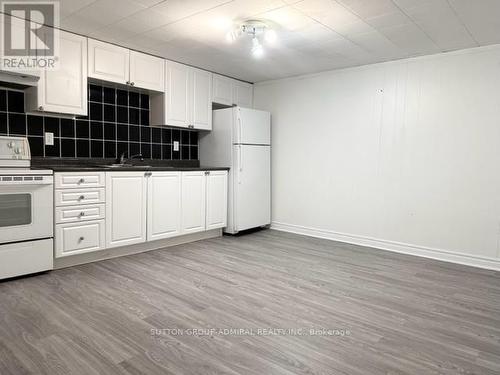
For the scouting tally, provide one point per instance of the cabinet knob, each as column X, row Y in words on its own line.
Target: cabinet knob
column 132, row 83
column 81, row 239
column 40, row 108
column 128, row 82
column 81, row 197
column 82, row 213
column 81, row 181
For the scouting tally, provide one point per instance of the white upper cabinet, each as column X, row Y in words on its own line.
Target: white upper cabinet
column 227, row 91
column 243, row 94
column 63, row 90
column 108, row 62
column 125, row 208
column 147, row 71
column 193, row 202
column 177, row 95
column 116, row 64
column 200, row 99
column 222, row 90
column 216, row 216
column 188, row 98
column 17, row 35
column 164, row 205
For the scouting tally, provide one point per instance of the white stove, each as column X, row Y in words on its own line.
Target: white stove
column 26, row 211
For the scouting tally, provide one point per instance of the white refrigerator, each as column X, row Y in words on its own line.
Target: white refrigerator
column 241, row 139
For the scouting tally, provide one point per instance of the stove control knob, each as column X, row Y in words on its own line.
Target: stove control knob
column 17, row 150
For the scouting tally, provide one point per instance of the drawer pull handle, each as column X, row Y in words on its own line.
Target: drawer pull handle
column 81, row 239
column 82, row 180
column 81, row 197
column 82, row 213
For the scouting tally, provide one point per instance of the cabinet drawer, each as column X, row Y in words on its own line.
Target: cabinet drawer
column 73, row 197
column 74, row 214
column 79, row 238
column 75, row 180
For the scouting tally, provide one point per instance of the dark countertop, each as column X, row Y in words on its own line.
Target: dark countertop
column 103, row 165
column 77, row 168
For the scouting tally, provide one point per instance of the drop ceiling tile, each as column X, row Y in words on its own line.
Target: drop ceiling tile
column 138, row 23
column 333, row 15
column 67, row 7
column 103, row 13
column 439, row 21
column 369, row 8
column 482, row 19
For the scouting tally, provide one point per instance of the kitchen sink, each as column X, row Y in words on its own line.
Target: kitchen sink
column 118, row 166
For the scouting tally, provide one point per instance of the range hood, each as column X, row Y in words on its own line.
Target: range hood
column 18, row 80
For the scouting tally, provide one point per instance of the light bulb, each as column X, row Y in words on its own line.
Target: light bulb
column 270, row 36
column 257, row 49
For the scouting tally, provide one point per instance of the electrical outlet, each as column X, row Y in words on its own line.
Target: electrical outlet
column 176, row 145
column 49, row 139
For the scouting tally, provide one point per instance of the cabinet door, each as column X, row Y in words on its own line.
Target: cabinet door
column 125, row 208
column 17, row 35
column 243, row 94
column 177, row 95
column 108, row 62
column 216, row 200
column 222, row 90
column 201, row 99
column 193, row 202
column 164, row 205
column 63, row 90
column 147, row 72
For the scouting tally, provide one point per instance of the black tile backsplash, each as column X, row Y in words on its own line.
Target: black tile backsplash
column 118, row 122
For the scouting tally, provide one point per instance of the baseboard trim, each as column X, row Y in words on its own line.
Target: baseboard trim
column 398, row 247
column 116, row 252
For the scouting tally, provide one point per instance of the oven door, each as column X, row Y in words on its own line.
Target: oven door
column 26, row 210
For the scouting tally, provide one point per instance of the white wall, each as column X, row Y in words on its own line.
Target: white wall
column 402, row 155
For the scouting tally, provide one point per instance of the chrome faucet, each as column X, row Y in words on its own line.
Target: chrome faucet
column 123, row 159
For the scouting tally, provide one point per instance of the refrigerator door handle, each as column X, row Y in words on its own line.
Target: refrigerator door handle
column 240, row 135
column 240, row 158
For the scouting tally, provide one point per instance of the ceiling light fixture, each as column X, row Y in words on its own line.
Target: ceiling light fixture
column 257, row 30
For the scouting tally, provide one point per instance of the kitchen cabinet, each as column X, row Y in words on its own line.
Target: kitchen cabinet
column 222, row 90
column 164, row 205
column 177, row 95
column 193, row 202
column 126, row 194
column 243, row 94
column 79, row 238
column 147, row 72
column 227, row 91
column 18, row 32
column 200, row 99
column 116, row 64
column 187, row 102
column 108, row 62
column 63, row 90
column 216, row 199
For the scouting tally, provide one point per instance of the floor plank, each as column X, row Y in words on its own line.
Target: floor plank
column 394, row 313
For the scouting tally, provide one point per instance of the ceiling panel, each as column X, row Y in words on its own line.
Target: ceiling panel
column 313, row 35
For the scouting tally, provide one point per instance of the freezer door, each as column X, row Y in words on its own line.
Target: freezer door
column 252, row 190
column 252, row 126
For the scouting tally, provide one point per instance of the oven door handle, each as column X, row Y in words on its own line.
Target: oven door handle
column 26, row 183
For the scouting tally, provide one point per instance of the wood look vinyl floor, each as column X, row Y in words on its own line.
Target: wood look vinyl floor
column 139, row 314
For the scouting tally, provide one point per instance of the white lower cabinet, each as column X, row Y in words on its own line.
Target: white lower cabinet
column 78, row 238
column 216, row 215
column 193, row 201
column 164, row 205
column 125, row 208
